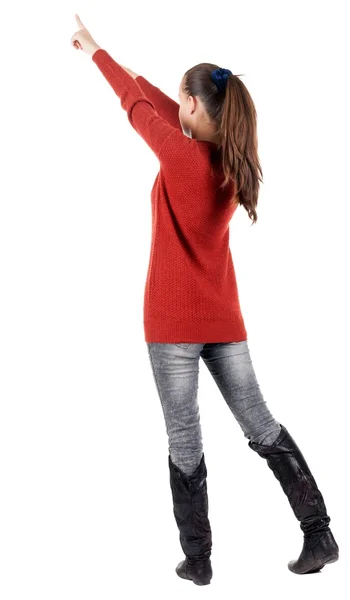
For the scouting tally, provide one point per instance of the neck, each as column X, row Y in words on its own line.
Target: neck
column 206, row 136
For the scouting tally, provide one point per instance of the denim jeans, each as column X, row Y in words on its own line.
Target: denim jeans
column 176, row 370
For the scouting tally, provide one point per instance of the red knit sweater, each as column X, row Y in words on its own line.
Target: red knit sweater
column 191, row 291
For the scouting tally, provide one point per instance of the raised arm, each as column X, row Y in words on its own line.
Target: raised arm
column 142, row 113
column 166, row 107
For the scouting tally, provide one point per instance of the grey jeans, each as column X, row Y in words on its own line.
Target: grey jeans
column 176, row 370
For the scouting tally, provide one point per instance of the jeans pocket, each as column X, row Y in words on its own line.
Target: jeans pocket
column 183, row 345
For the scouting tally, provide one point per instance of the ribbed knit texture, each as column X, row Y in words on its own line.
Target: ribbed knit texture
column 191, row 292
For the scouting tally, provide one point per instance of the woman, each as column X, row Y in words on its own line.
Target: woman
column 207, row 150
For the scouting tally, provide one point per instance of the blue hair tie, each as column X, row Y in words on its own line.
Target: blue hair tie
column 220, row 76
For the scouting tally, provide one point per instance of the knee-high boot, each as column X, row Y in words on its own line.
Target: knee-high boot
column 190, row 501
column 289, row 466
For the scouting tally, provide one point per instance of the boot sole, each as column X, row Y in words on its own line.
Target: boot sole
column 325, row 561
column 183, row 576
column 196, row 582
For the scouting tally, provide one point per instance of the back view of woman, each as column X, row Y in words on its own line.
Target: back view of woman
column 207, row 149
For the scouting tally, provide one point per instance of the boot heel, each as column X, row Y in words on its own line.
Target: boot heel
column 200, row 572
column 331, row 559
column 315, row 567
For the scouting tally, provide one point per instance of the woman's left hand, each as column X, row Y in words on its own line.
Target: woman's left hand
column 83, row 40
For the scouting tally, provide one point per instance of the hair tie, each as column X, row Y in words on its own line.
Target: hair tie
column 220, row 77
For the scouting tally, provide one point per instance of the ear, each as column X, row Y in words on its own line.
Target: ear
column 192, row 103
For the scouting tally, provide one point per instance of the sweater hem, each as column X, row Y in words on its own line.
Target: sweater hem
column 175, row 332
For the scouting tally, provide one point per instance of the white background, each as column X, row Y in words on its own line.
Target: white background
column 85, row 503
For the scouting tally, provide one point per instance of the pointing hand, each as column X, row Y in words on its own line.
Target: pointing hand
column 83, row 40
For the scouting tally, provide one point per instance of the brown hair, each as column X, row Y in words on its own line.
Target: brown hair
column 233, row 112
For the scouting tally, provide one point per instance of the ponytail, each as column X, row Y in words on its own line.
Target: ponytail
column 233, row 112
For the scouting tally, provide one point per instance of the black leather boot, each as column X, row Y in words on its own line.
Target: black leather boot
column 290, row 468
column 190, row 502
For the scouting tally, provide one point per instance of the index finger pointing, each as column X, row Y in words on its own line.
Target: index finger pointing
column 79, row 22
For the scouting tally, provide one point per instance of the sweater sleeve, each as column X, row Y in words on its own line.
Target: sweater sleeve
column 166, row 107
column 141, row 111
